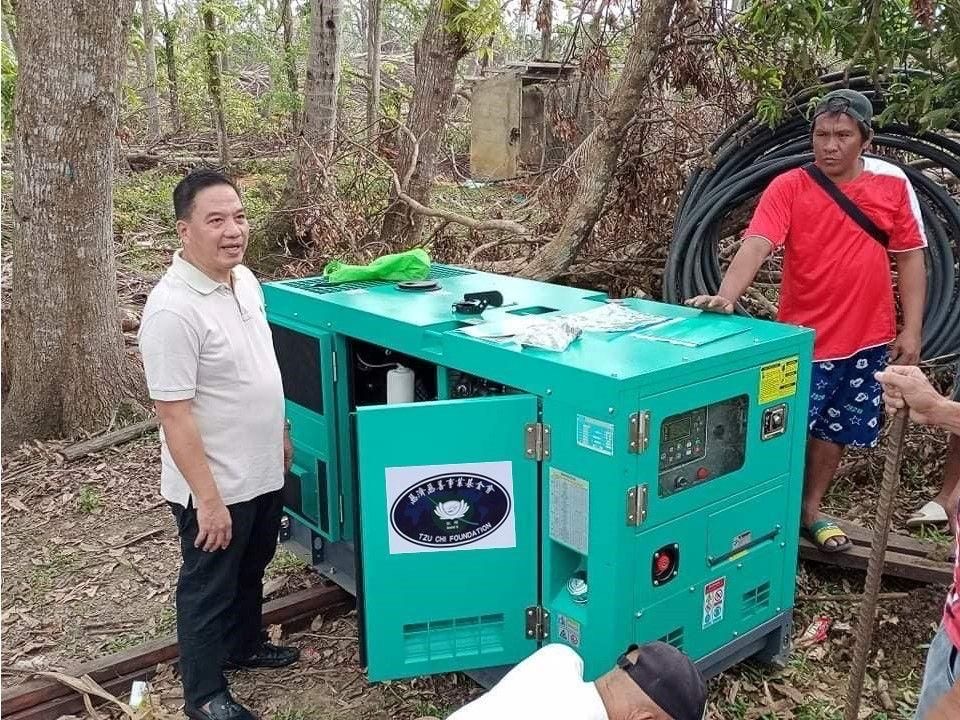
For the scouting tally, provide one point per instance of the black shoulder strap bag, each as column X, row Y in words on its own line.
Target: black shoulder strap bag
column 846, row 204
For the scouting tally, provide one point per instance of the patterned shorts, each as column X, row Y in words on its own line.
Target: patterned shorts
column 845, row 399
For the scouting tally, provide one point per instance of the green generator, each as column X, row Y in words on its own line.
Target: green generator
column 490, row 463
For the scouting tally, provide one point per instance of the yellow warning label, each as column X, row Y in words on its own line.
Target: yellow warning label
column 778, row 380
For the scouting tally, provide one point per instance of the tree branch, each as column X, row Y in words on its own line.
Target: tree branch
column 507, row 226
column 869, row 31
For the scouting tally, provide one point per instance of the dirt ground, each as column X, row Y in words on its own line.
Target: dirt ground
column 90, row 559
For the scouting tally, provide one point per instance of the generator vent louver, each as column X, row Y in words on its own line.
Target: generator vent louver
column 756, row 599
column 320, row 286
column 674, row 637
column 457, row 637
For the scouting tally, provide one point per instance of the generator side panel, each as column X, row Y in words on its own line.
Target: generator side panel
column 312, row 485
column 716, row 554
column 674, row 516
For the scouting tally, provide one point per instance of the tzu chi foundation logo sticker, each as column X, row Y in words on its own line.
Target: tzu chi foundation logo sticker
column 457, row 509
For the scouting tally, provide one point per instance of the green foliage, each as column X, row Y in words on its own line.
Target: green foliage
column 8, row 88
column 284, row 563
column 143, row 198
column 473, row 20
column 787, row 45
column 89, row 501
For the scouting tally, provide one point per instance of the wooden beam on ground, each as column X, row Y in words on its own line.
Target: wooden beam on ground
column 906, row 557
column 48, row 699
column 102, row 442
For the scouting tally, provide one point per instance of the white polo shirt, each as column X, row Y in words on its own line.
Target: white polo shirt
column 203, row 341
column 548, row 684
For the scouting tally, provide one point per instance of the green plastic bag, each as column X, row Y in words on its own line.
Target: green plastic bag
column 409, row 265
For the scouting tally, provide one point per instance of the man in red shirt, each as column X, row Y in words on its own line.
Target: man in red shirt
column 836, row 280
column 940, row 693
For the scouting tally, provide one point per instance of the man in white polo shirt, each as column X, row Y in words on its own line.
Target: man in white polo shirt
column 213, row 375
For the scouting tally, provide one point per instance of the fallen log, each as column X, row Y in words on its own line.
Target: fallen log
column 102, row 442
column 148, row 161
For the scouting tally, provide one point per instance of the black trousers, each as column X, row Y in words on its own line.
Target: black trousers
column 220, row 593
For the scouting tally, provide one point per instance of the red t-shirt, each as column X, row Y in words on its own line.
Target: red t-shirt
column 836, row 278
column 951, row 612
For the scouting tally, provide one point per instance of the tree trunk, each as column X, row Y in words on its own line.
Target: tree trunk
column 289, row 57
column 585, row 207
column 215, row 83
column 150, row 87
column 374, row 33
column 169, row 32
column 223, row 53
column 312, row 185
column 319, row 121
column 436, row 55
column 67, row 358
column 361, row 17
column 545, row 25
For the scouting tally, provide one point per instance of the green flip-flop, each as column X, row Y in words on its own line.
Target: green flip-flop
column 822, row 531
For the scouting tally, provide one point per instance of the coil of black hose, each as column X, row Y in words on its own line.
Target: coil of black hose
column 748, row 155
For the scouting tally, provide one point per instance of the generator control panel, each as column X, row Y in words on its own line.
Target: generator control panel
column 702, row 444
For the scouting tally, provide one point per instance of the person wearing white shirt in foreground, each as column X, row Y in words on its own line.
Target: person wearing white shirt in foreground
column 650, row 682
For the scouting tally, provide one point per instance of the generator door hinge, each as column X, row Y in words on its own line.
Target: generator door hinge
column 537, row 623
column 636, row 505
column 639, row 431
column 334, row 365
column 536, row 441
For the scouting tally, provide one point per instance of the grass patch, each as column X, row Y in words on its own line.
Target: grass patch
column 428, row 709
column 285, row 562
column 818, row 710
column 89, row 502
column 933, row 534
column 122, row 642
column 46, row 570
column 165, row 622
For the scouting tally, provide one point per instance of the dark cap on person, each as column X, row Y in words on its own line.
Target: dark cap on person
column 669, row 678
column 850, row 102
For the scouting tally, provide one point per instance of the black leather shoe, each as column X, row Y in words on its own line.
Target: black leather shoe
column 267, row 655
column 221, row 706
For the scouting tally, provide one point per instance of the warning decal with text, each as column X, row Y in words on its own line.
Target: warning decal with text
column 713, row 600
column 778, row 380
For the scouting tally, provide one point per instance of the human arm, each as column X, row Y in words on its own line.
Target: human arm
column 953, row 503
column 767, row 231
column 948, row 707
column 912, row 284
column 743, row 268
column 906, row 385
column 287, row 447
column 180, row 432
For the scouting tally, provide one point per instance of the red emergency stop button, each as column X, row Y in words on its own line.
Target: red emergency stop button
column 702, row 473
